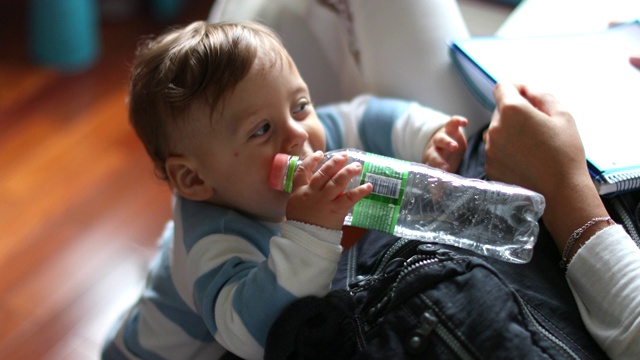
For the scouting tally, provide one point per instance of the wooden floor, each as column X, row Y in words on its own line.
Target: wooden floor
column 80, row 209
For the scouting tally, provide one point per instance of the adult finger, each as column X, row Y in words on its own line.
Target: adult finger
column 545, row 102
column 505, row 93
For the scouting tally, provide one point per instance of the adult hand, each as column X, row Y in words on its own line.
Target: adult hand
column 533, row 142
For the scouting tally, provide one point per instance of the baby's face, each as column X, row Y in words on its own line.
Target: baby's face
column 268, row 112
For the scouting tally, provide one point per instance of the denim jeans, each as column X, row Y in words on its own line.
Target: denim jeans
column 426, row 301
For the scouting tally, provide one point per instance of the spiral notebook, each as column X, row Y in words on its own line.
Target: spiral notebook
column 591, row 76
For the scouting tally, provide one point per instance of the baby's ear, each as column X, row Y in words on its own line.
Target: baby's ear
column 184, row 177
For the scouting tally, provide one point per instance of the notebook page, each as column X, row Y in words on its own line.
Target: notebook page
column 590, row 75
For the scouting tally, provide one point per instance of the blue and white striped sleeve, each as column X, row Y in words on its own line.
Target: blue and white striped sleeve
column 219, row 281
column 239, row 288
column 385, row 126
column 244, row 309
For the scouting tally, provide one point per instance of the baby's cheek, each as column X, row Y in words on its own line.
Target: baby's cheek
column 313, row 146
column 317, row 137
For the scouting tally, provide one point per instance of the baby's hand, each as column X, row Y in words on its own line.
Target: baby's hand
column 447, row 146
column 320, row 198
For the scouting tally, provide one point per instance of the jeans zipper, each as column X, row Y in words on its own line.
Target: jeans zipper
column 417, row 262
column 389, row 257
column 542, row 329
column 431, row 326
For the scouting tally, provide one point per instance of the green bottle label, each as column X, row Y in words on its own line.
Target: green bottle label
column 380, row 209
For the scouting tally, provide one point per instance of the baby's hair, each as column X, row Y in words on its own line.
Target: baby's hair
column 200, row 63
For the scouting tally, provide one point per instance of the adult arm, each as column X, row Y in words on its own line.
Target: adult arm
column 611, row 251
column 533, row 142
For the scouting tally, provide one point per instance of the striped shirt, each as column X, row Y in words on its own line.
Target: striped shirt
column 220, row 279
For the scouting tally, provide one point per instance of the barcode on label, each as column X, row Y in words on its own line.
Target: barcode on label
column 384, row 186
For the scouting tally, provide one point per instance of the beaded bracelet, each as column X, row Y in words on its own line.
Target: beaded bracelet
column 576, row 234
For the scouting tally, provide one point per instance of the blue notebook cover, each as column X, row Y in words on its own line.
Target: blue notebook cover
column 591, row 76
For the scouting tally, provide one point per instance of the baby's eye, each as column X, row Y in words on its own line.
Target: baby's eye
column 301, row 106
column 262, row 130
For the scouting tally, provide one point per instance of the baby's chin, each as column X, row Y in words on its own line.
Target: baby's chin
column 280, row 209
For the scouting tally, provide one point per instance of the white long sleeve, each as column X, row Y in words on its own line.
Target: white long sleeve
column 604, row 277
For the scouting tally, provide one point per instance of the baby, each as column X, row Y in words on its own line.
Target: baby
column 213, row 104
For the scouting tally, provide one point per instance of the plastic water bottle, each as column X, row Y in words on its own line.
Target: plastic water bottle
column 417, row 201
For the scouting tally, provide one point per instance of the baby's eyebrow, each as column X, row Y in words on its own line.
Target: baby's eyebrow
column 301, row 88
column 237, row 122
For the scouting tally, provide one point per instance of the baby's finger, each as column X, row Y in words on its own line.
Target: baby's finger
column 339, row 183
column 445, row 142
column 349, row 198
column 452, row 126
column 312, row 160
column 304, row 172
column 436, row 161
column 327, row 171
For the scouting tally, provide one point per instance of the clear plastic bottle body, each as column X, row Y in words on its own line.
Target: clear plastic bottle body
column 416, row 201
